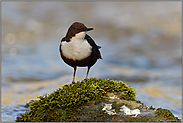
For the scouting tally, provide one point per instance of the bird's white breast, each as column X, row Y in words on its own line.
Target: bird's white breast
column 76, row 49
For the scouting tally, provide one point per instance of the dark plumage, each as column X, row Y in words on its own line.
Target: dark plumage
column 92, row 50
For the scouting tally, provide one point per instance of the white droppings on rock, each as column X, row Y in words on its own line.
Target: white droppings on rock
column 127, row 111
column 114, row 97
column 108, row 109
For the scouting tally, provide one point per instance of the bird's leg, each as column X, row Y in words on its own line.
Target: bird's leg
column 74, row 74
column 87, row 73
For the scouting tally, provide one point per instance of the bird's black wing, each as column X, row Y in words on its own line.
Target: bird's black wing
column 95, row 47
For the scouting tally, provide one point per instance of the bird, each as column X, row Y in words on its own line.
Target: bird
column 78, row 49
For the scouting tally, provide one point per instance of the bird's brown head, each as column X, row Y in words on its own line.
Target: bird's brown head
column 76, row 28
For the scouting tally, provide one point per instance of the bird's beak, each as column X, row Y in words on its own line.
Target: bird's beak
column 88, row 29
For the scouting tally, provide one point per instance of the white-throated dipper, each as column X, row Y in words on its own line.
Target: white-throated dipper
column 77, row 49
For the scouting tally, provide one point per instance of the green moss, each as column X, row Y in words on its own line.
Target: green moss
column 166, row 115
column 62, row 104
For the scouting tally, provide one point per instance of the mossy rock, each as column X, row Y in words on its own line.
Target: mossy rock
column 166, row 115
column 63, row 103
column 84, row 101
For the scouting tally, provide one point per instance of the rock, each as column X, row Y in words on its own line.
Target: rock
column 93, row 100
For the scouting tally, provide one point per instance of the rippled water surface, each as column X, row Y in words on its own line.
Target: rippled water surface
column 140, row 45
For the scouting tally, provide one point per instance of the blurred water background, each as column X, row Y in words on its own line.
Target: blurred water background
column 141, row 45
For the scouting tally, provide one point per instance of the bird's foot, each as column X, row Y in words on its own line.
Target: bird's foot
column 73, row 82
column 81, row 83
